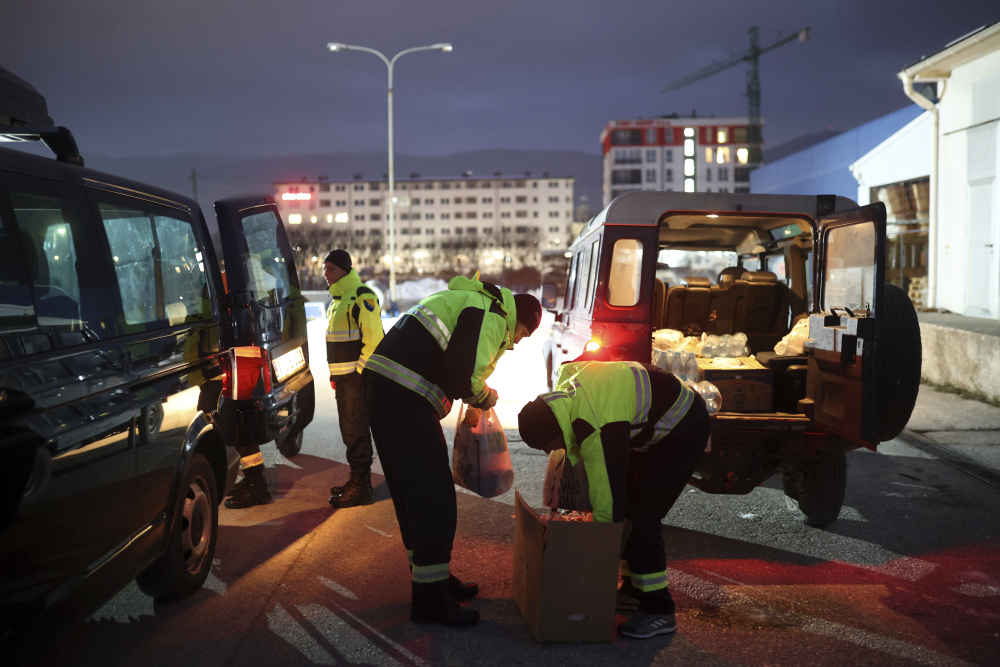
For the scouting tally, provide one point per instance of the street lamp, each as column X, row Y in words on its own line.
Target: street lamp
column 337, row 46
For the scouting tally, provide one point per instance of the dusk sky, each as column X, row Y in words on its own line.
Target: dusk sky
column 254, row 78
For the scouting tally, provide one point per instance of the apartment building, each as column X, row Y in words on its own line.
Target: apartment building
column 673, row 153
column 440, row 222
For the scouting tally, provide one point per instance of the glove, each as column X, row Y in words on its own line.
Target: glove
column 472, row 416
column 333, row 383
column 490, row 401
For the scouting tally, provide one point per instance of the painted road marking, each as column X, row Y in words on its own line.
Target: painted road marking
column 717, row 596
column 909, row 569
column 282, row 624
column 352, row 645
column 397, row 647
column 916, row 486
column 380, row 532
column 334, row 586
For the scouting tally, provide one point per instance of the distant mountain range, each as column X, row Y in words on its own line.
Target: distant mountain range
column 221, row 176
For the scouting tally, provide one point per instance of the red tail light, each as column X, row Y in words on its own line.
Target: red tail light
column 244, row 370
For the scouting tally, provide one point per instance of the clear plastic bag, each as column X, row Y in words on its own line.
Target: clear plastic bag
column 481, row 460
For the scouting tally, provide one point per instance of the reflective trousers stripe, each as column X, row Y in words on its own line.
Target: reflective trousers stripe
column 342, row 336
column 343, row 368
column 643, row 397
column 428, row 574
column 412, row 381
column 647, row 583
column 433, row 324
column 623, row 568
column 252, row 460
column 671, row 417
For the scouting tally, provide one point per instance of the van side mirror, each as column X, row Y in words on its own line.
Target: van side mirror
column 550, row 294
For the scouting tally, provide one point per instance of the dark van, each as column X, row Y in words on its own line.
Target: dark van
column 119, row 406
column 645, row 263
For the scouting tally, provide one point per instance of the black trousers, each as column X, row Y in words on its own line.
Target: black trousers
column 414, row 457
column 656, row 479
column 354, row 427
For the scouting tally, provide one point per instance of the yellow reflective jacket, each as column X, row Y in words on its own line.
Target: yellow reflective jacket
column 354, row 325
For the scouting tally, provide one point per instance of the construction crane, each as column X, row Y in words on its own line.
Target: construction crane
column 752, row 55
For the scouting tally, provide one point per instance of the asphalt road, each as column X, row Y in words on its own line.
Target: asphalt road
column 909, row 575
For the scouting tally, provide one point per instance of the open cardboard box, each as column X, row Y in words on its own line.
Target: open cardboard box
column 745, row 385
column 564, row 582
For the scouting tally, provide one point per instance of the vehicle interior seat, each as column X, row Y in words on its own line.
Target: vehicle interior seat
column 687, row 306
column 50, row 301
column 762, row 314
column 725, row 301
column 659, row 302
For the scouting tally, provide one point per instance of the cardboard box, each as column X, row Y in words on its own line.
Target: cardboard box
column 746, row 386
column 564, row 580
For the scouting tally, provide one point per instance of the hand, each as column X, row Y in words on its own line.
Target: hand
column 472, row 416
column 490, row 401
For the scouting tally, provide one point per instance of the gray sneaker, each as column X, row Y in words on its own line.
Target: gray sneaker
column 626, row 599
column 644, row 626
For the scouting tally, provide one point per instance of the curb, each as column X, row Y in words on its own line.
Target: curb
column 952, row 458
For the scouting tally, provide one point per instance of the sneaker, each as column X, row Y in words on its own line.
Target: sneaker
column 627, row 598
column 643, row 625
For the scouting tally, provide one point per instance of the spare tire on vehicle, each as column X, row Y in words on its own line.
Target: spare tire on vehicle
column 900, row 353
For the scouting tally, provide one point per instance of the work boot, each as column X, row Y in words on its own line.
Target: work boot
column 432, row 603
column 462, row 591
column 255, row 492
column 339, row 490
column 238, row 487
column 357, row 492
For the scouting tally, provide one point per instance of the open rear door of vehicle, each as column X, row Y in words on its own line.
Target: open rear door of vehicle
column 266, row 314
column 845, row 330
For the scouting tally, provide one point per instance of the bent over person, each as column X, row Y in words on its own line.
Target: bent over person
column 639, row 432
column 353, row 331
column 441, row 350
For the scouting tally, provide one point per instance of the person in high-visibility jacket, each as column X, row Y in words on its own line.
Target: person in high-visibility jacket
column 353, row 331
column 441, row 350
column 639, row 432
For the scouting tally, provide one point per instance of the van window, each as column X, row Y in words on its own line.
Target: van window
column 776, row 265
column 595, row 254
column 70, row 298
column 17, row 312
column 626, row 262
column 267, row 266
column 849, row 276
column 571, row 282
column 158, row 265
column 582, row 272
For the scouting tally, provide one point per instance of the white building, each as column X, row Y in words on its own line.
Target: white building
column 481, row 221
column 683, row 154
column 956, row 154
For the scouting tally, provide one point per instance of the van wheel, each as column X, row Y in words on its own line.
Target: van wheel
column 191, row 544
column 290, row 445
column 814, row 488
column 899, row 379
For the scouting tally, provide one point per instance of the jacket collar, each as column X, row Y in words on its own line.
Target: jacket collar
column 503, row 296
column 345, row 285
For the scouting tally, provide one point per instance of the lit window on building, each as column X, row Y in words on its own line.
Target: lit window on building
column 722, row 155
column 688, row 185
column 295, row 219
column 708, row 154
column 340, row 217
column 688, row 131
column 722, row 136
column 742, row 155
column 689, row 147
column 689, row 167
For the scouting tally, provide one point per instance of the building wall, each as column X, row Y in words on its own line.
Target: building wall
column 970, row 109
column 656, row 149
column 903, row 156
column 825, row 167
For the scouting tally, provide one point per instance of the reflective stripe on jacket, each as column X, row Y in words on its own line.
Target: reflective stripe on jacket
column 354, row 325
column 602, row 408
column 451, row 342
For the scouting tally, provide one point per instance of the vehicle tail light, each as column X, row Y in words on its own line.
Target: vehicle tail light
column 592, row 345
column 246, row 371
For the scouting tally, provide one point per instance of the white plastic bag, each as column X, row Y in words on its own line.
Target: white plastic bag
column 481, row 460
column 794, row 342
column 566, row 485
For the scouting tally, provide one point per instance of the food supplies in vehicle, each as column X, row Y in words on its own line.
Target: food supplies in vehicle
column 565, row 576
column 793, row 344
column 745, row 385
column 481, row 460
column 671, row 339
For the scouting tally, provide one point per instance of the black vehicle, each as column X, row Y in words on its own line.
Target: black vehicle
column 123, row 364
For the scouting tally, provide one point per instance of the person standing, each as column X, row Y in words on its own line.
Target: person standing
column 353, row 331
column 639, row 432
column 441, row 350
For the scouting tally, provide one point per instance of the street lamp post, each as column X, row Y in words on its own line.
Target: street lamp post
column 336, row 46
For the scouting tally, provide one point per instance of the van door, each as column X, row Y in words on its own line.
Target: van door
column 845, row 330
column 265, row 306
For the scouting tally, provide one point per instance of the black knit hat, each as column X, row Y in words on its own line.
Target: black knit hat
column 529, row 311
column 537, row 424
column 339, row 258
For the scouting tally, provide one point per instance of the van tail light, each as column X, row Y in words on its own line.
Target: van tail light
column 592, row 345
column 246, row 373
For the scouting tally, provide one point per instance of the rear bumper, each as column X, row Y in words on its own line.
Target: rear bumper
column 288, row 408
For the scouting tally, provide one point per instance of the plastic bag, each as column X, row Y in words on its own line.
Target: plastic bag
column 794, row 342
column 481, row 460
column 566, row 485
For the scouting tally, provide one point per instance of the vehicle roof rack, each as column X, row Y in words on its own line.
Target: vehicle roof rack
column 24, row 116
